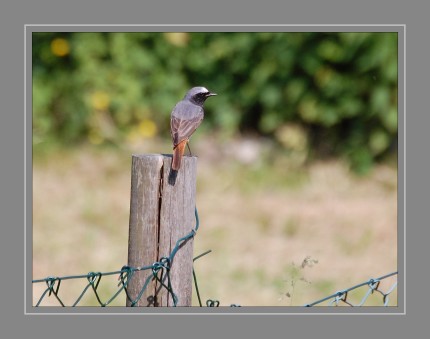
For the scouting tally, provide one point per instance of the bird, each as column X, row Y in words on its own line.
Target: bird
column 186, row 116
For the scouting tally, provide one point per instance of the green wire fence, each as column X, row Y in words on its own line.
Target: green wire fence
column 373, row 285
column 160, row 272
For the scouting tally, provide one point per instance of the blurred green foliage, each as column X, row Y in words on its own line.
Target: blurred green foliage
column 336, row 92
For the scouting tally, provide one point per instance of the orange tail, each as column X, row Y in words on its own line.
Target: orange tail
column 178, row 152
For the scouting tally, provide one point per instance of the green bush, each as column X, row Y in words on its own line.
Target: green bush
column 339, row 89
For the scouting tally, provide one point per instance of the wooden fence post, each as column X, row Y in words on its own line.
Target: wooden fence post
column 161, row 214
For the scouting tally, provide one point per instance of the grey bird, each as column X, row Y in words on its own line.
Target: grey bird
column 186, row 116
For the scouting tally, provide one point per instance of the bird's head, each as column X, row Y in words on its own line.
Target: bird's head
column 198, row 95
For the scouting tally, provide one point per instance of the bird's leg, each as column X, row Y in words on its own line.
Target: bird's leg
column 189, row 149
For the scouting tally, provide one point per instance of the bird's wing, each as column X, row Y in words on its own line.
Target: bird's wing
column 184, row 121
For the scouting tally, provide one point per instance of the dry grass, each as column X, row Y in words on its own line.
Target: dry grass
column 260, row 221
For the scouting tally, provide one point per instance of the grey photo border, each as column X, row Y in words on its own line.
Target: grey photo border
column 276, row 310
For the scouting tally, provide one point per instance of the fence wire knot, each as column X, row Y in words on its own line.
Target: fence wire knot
column 163, row 264
column 50, row 282
column 94, row 278
column 212, row 303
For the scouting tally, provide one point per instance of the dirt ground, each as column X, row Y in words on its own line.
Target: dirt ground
column 260, row 219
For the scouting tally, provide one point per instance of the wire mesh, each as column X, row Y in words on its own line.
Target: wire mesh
column 373, row 285
column 160, row 272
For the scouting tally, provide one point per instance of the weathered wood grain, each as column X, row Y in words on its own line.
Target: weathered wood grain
column 161, row 214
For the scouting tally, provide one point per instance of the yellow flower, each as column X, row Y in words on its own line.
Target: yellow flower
column 292, row 136
column 100, row 100
column 147, row 128
column 60, row 47
column 178, row 39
